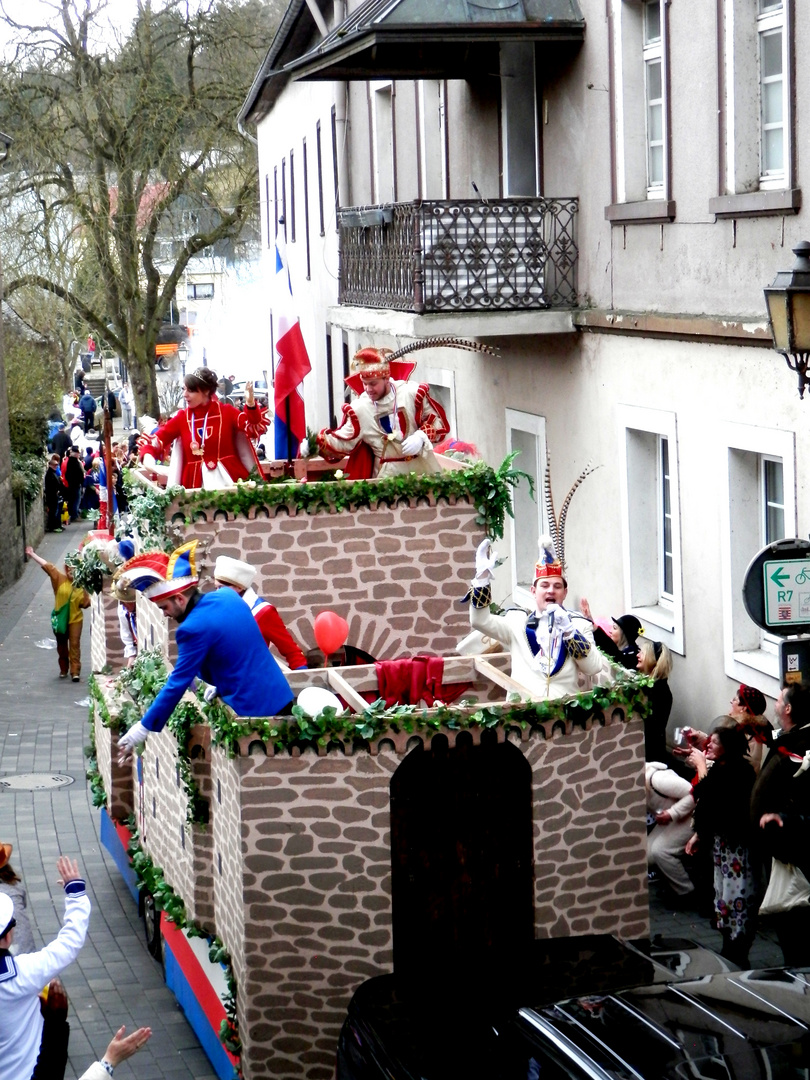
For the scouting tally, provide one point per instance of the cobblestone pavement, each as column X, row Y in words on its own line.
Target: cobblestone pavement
column 43, row 729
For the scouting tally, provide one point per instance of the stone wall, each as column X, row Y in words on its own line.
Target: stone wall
column 106, row 647
column 155, row 631
column 302, row 871
column 395, row 574
column 182, row 849
column 293, row 870
column 117, row 779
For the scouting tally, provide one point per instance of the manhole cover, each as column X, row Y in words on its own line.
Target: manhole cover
column 35, row 781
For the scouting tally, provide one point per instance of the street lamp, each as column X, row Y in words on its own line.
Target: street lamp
column 182, row 352
column 788, row 301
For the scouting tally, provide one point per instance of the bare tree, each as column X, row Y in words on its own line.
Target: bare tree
column 115, row 136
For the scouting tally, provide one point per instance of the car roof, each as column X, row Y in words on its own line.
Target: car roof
column 620, row 1010
column 755, row 1023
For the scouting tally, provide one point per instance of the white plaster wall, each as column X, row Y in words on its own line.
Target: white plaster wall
column 294, row 119
column 576, row 384
column 693, row 266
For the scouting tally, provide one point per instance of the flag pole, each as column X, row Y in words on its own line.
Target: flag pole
column 289, row 432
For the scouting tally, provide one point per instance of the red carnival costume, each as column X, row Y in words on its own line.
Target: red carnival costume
column 373, row 432
column 212, row 444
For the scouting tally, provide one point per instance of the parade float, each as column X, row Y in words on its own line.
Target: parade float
column 280, row 862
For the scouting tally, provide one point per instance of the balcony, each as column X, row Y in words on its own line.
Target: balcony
column 428, row 257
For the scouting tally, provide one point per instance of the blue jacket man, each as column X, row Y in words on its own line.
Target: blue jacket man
column 217, row 640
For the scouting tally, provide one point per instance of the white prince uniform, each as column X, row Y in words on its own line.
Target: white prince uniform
column 547, row 663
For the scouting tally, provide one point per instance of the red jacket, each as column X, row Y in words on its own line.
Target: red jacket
column 276, row 633
column 214, row 428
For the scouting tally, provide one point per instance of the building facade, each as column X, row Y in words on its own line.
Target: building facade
column 600, row 191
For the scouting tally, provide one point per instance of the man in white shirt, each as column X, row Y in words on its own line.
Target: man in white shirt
column 22, row 978
column 553, row 652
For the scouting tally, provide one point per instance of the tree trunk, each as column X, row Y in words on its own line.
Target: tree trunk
column 144, row 385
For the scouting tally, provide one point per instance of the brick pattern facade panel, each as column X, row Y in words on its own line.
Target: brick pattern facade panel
column 106, row 647
column 317, row 893
column 395, row 574
column 182, row 850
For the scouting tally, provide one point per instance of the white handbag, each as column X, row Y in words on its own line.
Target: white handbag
column 788, row 888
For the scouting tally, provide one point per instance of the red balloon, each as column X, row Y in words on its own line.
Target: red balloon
column 331, row 631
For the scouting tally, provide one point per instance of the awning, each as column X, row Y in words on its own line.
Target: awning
column 432, row 39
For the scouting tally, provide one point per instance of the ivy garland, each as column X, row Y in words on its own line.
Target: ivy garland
column 147, row 511
column 150, row 878
column 629, row 693
column 146, row 677
column 143, row 681
column 89, row 569
column 488, row 489
column 180, row 723
column 97, row 791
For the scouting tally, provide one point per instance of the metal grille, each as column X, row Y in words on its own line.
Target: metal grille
column 503, row 255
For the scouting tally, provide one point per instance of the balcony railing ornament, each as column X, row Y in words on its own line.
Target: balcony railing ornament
column 428, row 256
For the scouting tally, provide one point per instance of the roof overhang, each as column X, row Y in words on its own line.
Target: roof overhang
column 404, row 39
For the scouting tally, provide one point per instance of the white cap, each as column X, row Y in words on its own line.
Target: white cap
column 6, row 911
column 234, row 572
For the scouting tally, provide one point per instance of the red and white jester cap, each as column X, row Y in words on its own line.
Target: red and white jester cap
column 158, row 575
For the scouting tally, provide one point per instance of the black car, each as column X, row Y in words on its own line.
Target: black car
column 590, row 1008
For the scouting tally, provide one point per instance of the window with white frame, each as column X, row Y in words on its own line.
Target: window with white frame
column 442, row 383
column 666, row 574
column 758, row 507
column 755, row 102
column 773, row 104
column 639, row 81
column 526, row 433
column 431, row 98
column 382, row 133
column 651, row 536
column 654, row 96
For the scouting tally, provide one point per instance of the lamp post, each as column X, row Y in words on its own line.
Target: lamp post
column 788, row 300
column 182, row 352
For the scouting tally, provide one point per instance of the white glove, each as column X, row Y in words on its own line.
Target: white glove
column 209, row 693
column 303, row 449
column 136, row 735
column 415, row 444
column 559, row 618
column 485, row 562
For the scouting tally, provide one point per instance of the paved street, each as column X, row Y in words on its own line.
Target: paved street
column 115, row 980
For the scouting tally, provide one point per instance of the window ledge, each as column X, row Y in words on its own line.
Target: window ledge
column 756, row 667
column 646, row 212
column 664, row 623
column 757, row 203
column 759, row 660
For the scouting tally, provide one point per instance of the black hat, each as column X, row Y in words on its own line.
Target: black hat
column 630, row 627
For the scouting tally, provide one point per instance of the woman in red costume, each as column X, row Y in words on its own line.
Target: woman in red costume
column 212, row 440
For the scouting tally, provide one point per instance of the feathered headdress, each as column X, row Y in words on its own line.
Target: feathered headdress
column 552, row 548
column 382, row 363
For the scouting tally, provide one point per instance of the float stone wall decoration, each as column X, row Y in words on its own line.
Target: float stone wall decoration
column 117, row 779
column 301, row 865
column 106, row 647
column 396, row 574
column 183, row 849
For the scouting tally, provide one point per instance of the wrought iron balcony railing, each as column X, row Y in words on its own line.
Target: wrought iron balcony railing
column 515, row 254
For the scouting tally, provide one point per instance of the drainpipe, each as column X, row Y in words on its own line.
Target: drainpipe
column 315, row 12
column 240, row 127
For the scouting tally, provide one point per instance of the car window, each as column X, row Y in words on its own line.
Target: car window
column 525, row 1054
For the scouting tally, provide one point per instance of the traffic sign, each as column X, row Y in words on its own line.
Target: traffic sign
column 776, row 590
column 787, row 591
